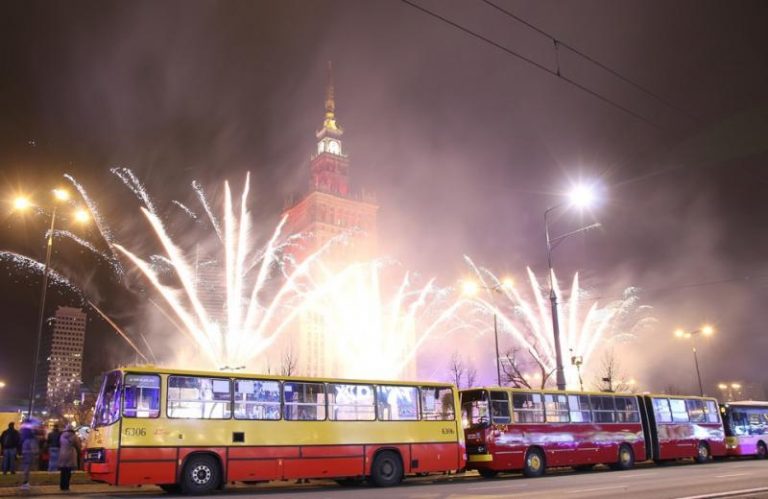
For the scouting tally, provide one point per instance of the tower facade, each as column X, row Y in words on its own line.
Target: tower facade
column 64, row 362
column 330, row 210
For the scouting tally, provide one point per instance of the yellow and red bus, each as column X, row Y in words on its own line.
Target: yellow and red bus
column 194, row 431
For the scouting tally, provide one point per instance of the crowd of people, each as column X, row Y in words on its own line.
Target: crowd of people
column 55, row 451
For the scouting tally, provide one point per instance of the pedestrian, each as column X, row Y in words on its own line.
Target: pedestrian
column 10, row 441
column 30, row 449
column 69, row 449
column 53, row 448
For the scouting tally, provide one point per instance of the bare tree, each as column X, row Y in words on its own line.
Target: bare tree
column 514, row 370
column 461, row 374
column 611, row 378
column 456, row 369
column 288, row 362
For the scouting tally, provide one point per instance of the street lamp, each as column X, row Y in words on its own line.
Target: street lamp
column 471, row 288
column 581, row 196
column 706, row 330
column 22, row 203
column 730, row 388
column 2, row 384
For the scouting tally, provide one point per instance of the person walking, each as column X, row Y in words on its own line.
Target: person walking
column 30, row 449
column 53, row 448
column 69, row 449
column 10, row 441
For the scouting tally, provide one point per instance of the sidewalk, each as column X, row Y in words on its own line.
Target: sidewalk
column 45, row 483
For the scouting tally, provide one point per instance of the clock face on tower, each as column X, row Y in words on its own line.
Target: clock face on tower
column 334, row 147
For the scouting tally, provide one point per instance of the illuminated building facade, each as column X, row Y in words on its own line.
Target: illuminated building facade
column 330, row 211
column 64, row 362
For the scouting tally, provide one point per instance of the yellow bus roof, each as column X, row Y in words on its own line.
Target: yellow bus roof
column 241, row 374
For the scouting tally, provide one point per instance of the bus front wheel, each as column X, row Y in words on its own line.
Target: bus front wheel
column 201, row 475
column 702, row 455
column 387, row 469
column 534, row 463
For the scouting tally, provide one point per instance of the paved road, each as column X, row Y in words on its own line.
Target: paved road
column 746, row 478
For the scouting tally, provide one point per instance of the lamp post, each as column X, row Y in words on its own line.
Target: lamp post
column 583, row 197
column 21, row 204
column 471, row 288
column 706, row 330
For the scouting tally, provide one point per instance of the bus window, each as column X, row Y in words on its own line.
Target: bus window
column 696, row 411
column 474, row 408
column 556, row 408
column 500, row 408
column 580, row 408
column 304, row 401
column 199, row 398
column 437, row 403
column 107, row 410
column 257, row 399
column 141, row 396
column 679, row 412
column 398, row 403
column 710, row 407
column 528, row 408
column 661, row 410
column 603, row 408
column 626, row 410
column 351, row 402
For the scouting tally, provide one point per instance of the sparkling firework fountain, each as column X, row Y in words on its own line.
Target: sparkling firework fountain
column 372, row 329
column 586, row 327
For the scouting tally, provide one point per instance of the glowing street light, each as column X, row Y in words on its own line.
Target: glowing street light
column 730, row 389
column 82, row 216
column 581, row 196
column 2, row 384
column 471, row 288
column 706, row 330
column 22, row 203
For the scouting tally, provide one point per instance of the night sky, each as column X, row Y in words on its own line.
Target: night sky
column 464, row 144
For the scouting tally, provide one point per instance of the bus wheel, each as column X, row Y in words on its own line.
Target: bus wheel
column 626, row 458
column 387, row 469
column 702, row 456
column 485, row 473
column 201, row 475
column 762, row 452
column 534, row 463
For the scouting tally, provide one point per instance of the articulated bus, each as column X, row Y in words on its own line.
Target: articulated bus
column 510, row 429
column 746, row 428
column 194, row 431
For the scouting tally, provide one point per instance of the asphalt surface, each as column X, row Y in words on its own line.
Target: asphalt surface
column 743, row 478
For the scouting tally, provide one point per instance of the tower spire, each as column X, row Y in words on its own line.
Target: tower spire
column 330, row 104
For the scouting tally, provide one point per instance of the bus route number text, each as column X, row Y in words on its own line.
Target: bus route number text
column 135, row 432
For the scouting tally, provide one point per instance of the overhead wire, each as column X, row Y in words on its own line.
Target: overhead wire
column 556, row 74
column 560, row 43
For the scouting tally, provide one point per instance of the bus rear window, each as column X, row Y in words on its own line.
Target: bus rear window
column 141, row 396
column 107, row 410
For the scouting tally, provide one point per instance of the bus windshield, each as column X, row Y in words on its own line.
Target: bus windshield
column 107, row 409
column 474, row 408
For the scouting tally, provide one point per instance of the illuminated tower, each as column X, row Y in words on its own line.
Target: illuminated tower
column 328, row 210
column 64, row 362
